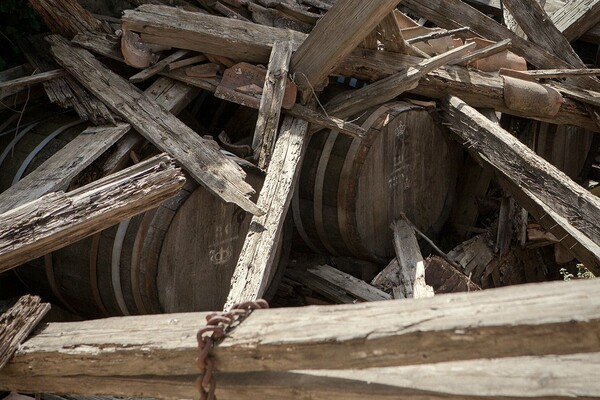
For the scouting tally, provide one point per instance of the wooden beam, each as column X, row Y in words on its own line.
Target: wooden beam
column 508, row 378
column 56, row 172
column 17, row 323
column 271, row 100
column 257, row 255
column 57, row 219
column 159, row 66
column 206, row 164
column 68, row 17
column 576, row 17
column 336, row 34
column 410, row 261
column 522, row 320
column 357, row 288
column 238, row 40
column 483, row 52
column 451, row 14
column 355, row 101
column 477, row 89
column 10, row 87
column 560, row 205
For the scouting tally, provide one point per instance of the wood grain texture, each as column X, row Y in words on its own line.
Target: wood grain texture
column 239, row 40
column 56, row 172
column 560, row 205
column 205, row 163
column 336, row 34
column 68, row 17
column 479, row 89
column 58, row 219
column 159, row 66
column 256, row 259
column 556, row 377
column 271, row 100
column 531, row 320
column 410, row 262
column 17, row 323
column 575, row 18
column 353, row 102
column 353, row 286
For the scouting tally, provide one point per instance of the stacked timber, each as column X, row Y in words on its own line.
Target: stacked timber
column 311, row 152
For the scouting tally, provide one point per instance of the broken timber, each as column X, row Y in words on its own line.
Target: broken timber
column 560, row 205
column 410, row 260
column 575, row 18
column 265, row 133
column 17, row 323
column 57, row 171
column 532, row 320
column 57, row 219
column 336, row 34
column 205, row 163
column 257, row 255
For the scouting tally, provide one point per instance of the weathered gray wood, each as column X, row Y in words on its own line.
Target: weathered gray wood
column 477, row 89
column 494, row 323
column 257, row 255
column 483, row 52
column 188, row 61
column 68, row 17
column 550, row 73
column 159, row 66
column 410, row 260
column 58, row 170
column 508, row 378
column 560, row 205
column 332, row 293
column 336, row 34
column 205, row 163
column 437, row 35
column 352, row 102
column 452, row 14
column 103, row 44
column 576, row 17
column 58, row 219
column 10, row 87
column 271, row 100
column 17, row 323
column 354, row 286
column 239, row 40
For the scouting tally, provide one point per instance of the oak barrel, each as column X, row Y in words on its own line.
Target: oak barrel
column 351, row 189
column 178, row 257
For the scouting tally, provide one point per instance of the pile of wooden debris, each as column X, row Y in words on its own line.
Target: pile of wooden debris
column 310, row 152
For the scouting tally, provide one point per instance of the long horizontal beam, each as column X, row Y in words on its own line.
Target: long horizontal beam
column 515, row 321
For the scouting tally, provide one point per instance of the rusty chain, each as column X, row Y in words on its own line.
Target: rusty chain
column 218, row 324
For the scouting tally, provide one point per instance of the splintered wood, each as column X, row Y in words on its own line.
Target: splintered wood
column 17, row 323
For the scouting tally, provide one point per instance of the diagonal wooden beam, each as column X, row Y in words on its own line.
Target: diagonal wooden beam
column 206, row 164
column 575, row 18
column 336, row 34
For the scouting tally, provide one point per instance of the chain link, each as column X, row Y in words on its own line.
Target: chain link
column 217, row 325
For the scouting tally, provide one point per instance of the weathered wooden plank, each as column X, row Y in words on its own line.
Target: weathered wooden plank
column 508, row 378
column 336, row 34
column 17, row 323
column 531, row 320
column 354, row 286
column 560, row 205
column 58, row 219
column 352, row 102
column 238, row 40
column 257, row 255
column 58, row 170
column 550, row 73
column 410, row 261
column 12, row 86
column 477, row 89
column 103, row 44
column 452, row 14
column 205, row 163
column 483, row 52
column 271, row 100
column 68, row 17
column 576, row 17
column 159, row 66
